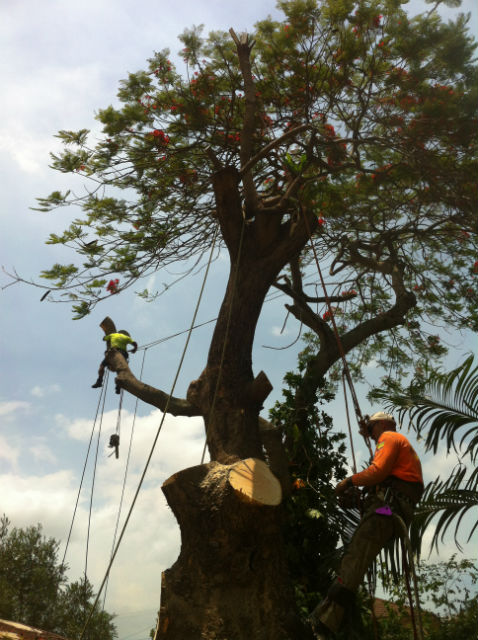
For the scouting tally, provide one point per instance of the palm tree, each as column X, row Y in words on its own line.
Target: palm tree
column 445, row 411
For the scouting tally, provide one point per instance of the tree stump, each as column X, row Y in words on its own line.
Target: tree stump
column 230, row 581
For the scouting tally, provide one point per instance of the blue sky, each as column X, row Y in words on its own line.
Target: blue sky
column 60, row 62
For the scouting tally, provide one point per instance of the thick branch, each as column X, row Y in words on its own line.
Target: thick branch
column 304, row 313
column 228, row 207
column 275, row 143
column 244, row 47
column 157, row 398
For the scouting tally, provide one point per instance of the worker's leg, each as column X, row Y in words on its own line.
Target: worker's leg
column 125, row 356
column 371, row 535
column 101, row 373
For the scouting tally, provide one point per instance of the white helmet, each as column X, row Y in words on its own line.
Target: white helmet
column 381, row 416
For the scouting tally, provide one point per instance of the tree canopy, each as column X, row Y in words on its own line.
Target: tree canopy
column 351, row 113
column 34, row 589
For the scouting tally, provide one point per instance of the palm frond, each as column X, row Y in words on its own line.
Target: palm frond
column 447, row 501
column 448, row 403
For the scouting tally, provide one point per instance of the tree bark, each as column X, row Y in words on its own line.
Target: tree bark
column 230, row 581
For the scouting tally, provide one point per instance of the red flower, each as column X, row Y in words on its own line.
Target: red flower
column 321, row 221
column 475, row 266
column 112, row 286
column 329, row 131
column 160, row 137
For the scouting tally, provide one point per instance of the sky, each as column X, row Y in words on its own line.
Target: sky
column 60, row 62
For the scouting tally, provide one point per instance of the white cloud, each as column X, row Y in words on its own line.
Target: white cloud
column 438, row 464
column 8, row 453
column 42, row 453
column 30, row 499
column 8, row 408
column 279, row 331
column 41, row 392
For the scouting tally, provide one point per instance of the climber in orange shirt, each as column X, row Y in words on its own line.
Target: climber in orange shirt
column 393, row 479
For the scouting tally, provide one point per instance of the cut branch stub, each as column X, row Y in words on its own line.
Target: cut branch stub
column 108, row 326
column 253, row 481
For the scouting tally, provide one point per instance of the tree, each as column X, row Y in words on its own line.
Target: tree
column 314, row 523
column 33, row 587
column 30, row 576
column 74, row 606
column 448, row 596
column 444, row 410
column 348, row 125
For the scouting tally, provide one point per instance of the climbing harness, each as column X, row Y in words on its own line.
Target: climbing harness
column 148, row 461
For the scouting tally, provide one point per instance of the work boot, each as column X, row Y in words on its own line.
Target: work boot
column 98, row 384
column 117, row 390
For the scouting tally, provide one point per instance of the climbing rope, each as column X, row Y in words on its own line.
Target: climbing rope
column 100, row 399
column 143, row 475
column 409, row 568
column 174, row 335
column 93, row 481
column 354, row 466
column 125, row 474
column 340, row 347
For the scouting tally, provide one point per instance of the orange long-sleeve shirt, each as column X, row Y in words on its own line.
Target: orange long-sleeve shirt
column 394, row 456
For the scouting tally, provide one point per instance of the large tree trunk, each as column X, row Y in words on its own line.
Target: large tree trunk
column 230, row 581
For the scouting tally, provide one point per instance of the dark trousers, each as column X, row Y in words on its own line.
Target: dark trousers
column 370, row 537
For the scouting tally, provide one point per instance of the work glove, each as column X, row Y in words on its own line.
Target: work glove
column 350, row 498
column 343, row 486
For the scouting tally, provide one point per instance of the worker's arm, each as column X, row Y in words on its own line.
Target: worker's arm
column 385, row 457
column 135, row 347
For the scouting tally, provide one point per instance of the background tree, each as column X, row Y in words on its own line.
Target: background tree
column 448, row 597
column 444, row 411
column 34, row 590
column 348, row 122
column 30, row 575
column 74, row 607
